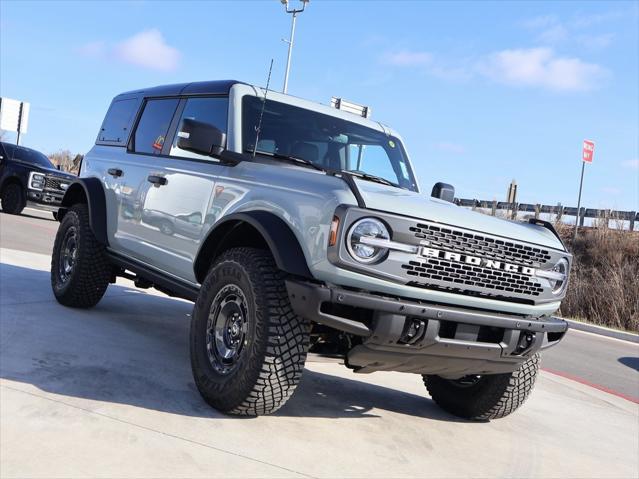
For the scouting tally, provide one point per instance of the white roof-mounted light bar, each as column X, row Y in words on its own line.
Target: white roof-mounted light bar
column 350, row 107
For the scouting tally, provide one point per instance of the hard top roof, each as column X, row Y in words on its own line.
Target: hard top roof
column 217, row 87
column 12, row 147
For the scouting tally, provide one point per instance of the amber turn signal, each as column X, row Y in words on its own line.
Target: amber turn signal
column 332, row 240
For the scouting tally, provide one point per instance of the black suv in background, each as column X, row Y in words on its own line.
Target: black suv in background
column 28, row 177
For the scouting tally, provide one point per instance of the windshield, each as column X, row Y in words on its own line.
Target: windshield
column 27, row 155
column 324, row 140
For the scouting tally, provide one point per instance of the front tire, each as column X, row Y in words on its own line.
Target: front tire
column 13, row 199
column 482, row 398
column 166, row 228
column 248, row 347
column 80, row 269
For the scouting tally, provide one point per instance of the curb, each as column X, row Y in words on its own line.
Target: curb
column 603, row 331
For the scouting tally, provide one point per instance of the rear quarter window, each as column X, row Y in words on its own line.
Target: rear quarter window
column 117, row 122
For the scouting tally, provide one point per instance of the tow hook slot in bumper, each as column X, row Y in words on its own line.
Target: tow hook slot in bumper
column 400, row 332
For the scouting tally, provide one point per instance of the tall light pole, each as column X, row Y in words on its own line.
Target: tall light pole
column 292, row 38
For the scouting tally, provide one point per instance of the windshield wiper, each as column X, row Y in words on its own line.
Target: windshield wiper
column 291, row 159
column 369, row 177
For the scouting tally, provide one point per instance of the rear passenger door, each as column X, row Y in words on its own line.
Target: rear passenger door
column 141, row 159
column 174, row 188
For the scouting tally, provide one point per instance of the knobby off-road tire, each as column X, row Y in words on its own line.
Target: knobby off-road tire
column 13, row 200
column 490, row 397
column 80, row 269
column 268, row 355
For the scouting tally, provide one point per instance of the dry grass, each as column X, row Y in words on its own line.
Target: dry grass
column 604, row 283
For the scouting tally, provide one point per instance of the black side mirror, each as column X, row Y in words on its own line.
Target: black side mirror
column 444, row 191
column 199, row 137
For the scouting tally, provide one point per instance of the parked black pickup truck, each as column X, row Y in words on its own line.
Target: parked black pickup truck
column 28, row 177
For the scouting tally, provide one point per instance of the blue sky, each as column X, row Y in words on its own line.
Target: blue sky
column 482, row 92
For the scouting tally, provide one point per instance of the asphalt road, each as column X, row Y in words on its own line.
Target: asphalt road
column 612, row 365
column 109, row 393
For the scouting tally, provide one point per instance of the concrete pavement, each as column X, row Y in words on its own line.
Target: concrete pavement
column 109, row 393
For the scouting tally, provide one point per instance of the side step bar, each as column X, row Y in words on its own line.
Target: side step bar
column 166, row 284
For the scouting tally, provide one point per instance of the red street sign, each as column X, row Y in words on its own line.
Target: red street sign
column 588, row 151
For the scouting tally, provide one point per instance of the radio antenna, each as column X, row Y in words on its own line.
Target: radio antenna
column 258, row 128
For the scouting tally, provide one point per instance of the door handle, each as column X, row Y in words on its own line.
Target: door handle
column 115, row 172
column 157, row 180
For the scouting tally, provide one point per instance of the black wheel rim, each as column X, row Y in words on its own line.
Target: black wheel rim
column 226, row 329
column 68, row 255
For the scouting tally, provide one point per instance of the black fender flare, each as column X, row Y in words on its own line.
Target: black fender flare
column 91, row 192
column 286, row 250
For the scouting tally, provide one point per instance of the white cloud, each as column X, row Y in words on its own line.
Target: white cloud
column 551, row 30
column 632, row 164
column 555, row 34
column 542, row 21
column 540, row 67
column 407, row 58
column 148, row 49
column 597, row 42
column 449, row 147
column 584, row 21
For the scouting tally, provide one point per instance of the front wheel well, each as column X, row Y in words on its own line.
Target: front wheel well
column 254, row 229
column 74, row 195
column 232, row 234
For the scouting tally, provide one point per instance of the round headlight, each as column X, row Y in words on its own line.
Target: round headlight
column 357, row 242
column 559, row 285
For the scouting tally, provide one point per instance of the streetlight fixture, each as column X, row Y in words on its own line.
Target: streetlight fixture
column 295, row 12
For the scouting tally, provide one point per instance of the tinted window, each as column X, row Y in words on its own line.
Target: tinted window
column 154, row 125
column 33, row 157
column 117, row 121
column 213, row 111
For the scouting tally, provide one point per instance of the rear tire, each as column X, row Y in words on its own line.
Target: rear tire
column 13, row 199
column 248, row 347
column 80, row 269
column 484, row 397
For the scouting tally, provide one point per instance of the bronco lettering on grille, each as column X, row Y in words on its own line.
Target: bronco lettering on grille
column 474, row 260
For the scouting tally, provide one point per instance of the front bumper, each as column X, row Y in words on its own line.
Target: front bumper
column 46, row 199
column 410, row 336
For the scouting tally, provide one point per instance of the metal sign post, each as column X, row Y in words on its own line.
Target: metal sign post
column 19, row 123
column 587, row 155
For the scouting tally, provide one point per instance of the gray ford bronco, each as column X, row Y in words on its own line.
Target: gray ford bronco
column 298, row 227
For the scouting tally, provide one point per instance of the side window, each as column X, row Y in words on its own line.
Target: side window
column 213, row 111
column 153, row 126
column 115, row 128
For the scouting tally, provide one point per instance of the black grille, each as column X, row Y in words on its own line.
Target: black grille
column 53, row 184
column 460, row 276
column 479, row 245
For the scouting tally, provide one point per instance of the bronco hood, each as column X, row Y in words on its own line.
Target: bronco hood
column 416, row 205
